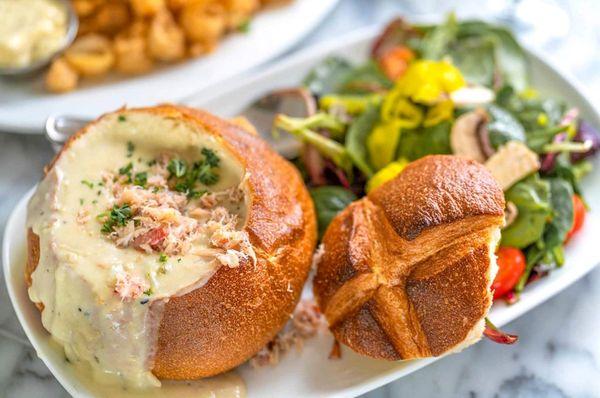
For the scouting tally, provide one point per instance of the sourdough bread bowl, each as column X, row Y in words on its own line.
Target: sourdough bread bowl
column 165, row 242
column 405, row 272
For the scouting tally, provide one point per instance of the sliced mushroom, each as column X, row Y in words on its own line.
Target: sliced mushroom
column 510, row 213
column 512, row 162
column 464, row 138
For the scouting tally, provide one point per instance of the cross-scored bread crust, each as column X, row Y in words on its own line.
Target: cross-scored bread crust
column 406, row 271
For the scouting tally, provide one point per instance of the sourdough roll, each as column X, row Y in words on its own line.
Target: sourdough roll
column 165, row 242
column 406, row 271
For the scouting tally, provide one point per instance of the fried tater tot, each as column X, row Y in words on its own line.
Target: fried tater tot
column 91, row 55
column 166, row 41
column 111, row 17
column 203, row 22
column 61, row 77
column 84, row 8
column 131, row 54
column 147, row 8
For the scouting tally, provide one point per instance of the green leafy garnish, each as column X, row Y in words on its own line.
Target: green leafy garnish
column 177, row 168
column 162, row 258
column 88, row 184
column 130, row 149
column 118, row 216
column 141, row 179
column 203, row 171
column 148, row 292
column 121, row 118
column 126, row 170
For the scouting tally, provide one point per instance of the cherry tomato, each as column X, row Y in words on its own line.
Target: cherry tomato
column 578, row 216
column 395, row 61
column 511, row 265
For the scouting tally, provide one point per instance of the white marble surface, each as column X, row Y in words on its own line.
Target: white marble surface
column 558, row 354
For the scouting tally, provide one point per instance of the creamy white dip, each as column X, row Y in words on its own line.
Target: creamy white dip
column 30, row 30
column 75, row 277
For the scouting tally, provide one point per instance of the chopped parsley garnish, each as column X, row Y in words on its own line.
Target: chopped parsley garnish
column 177, row 168
column 151, row 163
column 118, row 216
column 162, row 258
column 141, row 179
column 126, row 170
column 210, row 157
column 148, row 292
column 187, row 176
column 81, row 201
column 122, row 118
column 88, row 184
column 130, row 149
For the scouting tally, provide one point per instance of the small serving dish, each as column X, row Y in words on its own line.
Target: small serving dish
column 69, row 37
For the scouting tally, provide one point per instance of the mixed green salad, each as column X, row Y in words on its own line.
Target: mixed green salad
column 455, row 88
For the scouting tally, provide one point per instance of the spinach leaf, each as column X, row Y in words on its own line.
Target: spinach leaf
column 531, row 196
column 549, row 249
column 476, row 59
column 510, row 59
column 503, row 127
column 327, row 76
column 561, row 201
column 528, row 111
column 435, row 43
column 420, row 142
column 365, row 79
column 356, row 138
column 329, row 201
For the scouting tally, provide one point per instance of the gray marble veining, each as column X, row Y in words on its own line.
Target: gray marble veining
column 558, row 354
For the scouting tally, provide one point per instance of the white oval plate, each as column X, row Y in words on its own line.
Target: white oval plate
column 310, row 374
column 24, row 105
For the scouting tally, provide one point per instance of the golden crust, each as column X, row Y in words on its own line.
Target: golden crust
column 223, row 323
column 406, row 271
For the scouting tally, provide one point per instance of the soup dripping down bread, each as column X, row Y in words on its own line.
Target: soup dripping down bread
column 166, row 243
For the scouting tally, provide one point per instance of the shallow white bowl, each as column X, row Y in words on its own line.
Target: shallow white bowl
column 311, row 374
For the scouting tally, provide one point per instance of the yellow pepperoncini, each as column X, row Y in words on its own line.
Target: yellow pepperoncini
column 387, row 173
column 401, row 110
column 438, row 113
column 382, row 143
column 353, row 104
column 428, row 82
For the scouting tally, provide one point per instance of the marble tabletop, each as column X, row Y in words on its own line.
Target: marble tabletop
column 558, row 354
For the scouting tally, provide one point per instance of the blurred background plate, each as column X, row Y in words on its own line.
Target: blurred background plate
column 25, row 105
